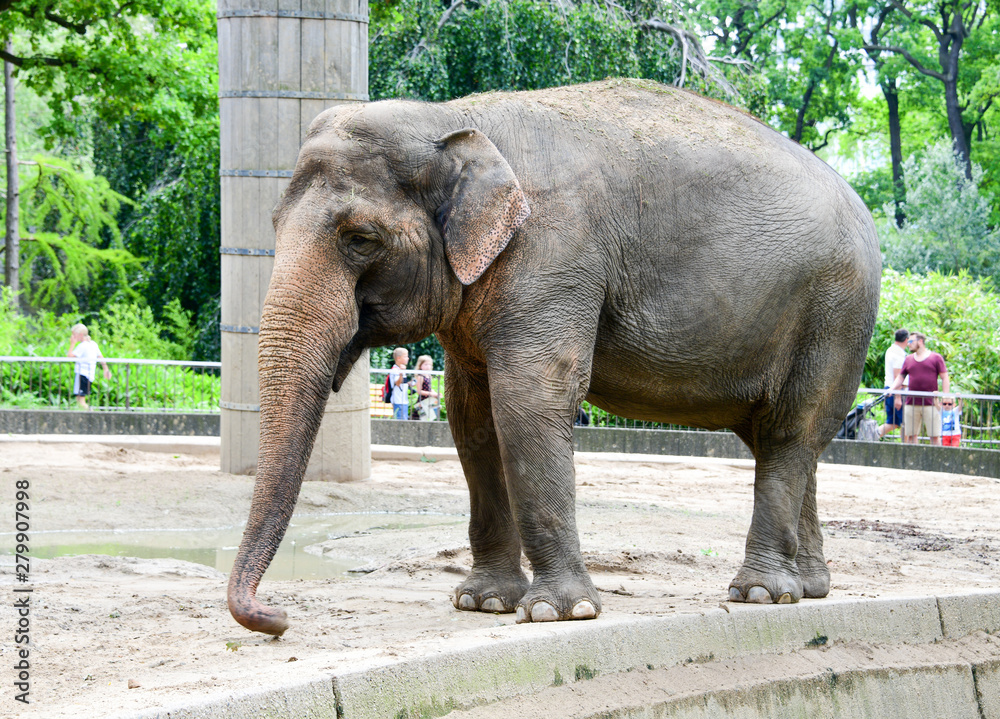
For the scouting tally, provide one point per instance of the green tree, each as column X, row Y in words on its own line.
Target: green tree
column 791, row 60
column 947, row 227
column 63, row 214
column 930, row 35
column 174, row 222
column 139, row 77
column 423, row 49
column 119, row 58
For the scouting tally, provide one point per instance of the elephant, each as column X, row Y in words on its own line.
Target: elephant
column 661, row 255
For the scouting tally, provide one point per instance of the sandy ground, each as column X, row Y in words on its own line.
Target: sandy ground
column 660, row 536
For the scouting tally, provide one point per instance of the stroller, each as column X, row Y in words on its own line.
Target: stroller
column 858, row 425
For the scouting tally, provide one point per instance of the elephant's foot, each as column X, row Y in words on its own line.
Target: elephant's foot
column 557, row 601
column 492, row 592
column 815, row 576
column 756, row 587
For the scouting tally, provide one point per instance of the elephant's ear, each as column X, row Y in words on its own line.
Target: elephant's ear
column 486, row 204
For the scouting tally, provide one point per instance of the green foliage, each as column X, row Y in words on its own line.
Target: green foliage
column 874, row 187
column 121, row 331
column 132, row 331
column 947, row 227
column 153, row 59
column 63, row 214
column 137, row 80
column 959, row 314
column 515, row 45
column 174, row 224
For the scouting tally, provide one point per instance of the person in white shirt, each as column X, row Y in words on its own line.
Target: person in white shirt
column 894, row 357
column 399, row 383
column 87, row 355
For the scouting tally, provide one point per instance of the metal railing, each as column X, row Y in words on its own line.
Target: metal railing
column 156, row 385
column 136, row 385
column 979, row 415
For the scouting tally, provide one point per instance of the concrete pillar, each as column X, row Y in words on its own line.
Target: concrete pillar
column 281, row 63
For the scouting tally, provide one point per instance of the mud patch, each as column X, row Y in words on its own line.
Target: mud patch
column 906, row 535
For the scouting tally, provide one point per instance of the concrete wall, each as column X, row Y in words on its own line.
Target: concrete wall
column 40, row 421
column 981, row 462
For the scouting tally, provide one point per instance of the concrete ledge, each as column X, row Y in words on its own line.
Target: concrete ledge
column 914, row 692
column 170, row 444
column 676, row 443
column 39, row 421
column 501, row 664
column 683, row 443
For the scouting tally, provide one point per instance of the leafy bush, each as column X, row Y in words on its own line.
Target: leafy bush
column 417, row 52
column 121, row 331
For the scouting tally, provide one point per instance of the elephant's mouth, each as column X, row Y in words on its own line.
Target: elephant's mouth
column 348, row 357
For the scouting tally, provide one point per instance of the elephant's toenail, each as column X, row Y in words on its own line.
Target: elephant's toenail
column 543, row 612
column 466, row 602
column 492, row 605
column 735, row 595
column 521, row 615
column 785, row 598
column 584, row 610
column 759, row 595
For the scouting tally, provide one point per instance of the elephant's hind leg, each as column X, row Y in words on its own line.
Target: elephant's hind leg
column 785, row 475
column 813, row 570
column 496, row 582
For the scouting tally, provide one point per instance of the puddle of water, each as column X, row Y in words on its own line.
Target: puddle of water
column 217, row 547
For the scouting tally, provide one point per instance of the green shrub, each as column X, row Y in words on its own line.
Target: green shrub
column 959, row 314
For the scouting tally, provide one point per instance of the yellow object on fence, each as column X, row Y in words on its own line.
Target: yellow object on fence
column 378, row 407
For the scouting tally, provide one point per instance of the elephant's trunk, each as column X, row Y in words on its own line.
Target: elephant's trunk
column 307, row 321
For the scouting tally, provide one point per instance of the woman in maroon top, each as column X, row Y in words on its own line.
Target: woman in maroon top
column 923, row 367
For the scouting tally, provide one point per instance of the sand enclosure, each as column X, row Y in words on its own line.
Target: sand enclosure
column 660, row 535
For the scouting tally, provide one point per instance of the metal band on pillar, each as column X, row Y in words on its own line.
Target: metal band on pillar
column 255, row 173
column 298, row 14
column 250, row 252
column 294, row 95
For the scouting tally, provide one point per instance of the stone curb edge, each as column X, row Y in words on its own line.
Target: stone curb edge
column 488, row 666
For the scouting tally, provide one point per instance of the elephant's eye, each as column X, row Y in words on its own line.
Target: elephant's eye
column 363, row 244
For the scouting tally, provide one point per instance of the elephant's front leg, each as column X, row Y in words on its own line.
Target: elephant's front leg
column 534, row 418
column 496, row 582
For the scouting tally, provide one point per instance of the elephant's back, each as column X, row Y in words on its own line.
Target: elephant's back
column 627, row 118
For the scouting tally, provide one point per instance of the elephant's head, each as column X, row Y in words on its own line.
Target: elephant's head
column 389, row 212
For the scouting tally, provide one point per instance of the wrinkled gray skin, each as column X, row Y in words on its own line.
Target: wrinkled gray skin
column 661, row 255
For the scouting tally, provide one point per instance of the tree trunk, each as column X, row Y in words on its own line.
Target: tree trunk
column 12, row 263
column 891, row 92
column 949, row 50
column 958, row 141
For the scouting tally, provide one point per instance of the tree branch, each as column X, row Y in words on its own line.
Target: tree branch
column 691, row 54
column 912, row 60
column 909, row 16
column 445, row 16
column 78, row 28
column 21, row 61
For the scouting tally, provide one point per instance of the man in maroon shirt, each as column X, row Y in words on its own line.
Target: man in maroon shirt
column 923, row 367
